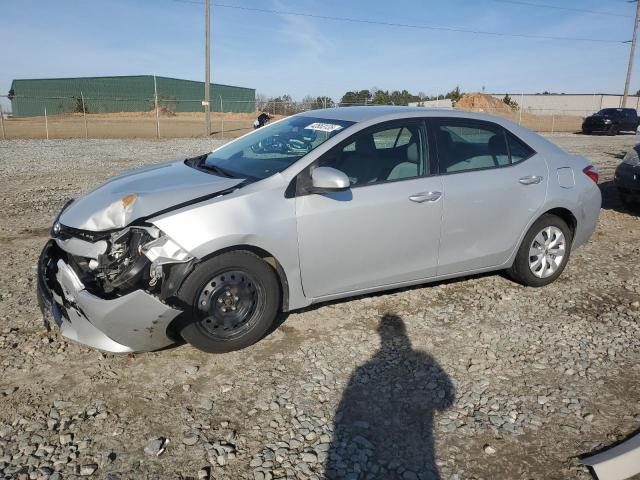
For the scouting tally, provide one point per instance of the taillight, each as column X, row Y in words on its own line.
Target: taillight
column 592, row 172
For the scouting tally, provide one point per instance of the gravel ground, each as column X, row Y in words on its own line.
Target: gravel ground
column 467, row 379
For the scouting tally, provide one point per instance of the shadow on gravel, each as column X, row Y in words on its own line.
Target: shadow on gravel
column 611, row 200
column 384, row 424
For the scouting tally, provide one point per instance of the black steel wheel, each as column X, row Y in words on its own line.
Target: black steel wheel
column 227, row 302
column 234, row 299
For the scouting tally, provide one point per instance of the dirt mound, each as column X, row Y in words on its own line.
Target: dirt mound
column 481, row 102
column 162, row 111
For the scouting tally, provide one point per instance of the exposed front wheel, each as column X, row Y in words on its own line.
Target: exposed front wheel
column 234, row 299
column 544, row 252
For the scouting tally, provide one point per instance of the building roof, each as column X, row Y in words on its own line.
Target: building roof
column 120, row 77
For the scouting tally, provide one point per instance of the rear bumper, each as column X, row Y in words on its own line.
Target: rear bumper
column 588, row 214
column 131, row 323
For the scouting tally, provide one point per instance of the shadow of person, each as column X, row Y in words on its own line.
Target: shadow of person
column 384, row 424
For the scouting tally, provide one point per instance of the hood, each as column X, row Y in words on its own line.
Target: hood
column 141, row 193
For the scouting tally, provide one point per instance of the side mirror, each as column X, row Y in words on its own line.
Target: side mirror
column 327, row 179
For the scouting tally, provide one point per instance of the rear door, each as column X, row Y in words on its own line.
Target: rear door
column 494, row 184
column 386, row 228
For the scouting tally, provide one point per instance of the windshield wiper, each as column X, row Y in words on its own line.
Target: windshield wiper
column 217, row 170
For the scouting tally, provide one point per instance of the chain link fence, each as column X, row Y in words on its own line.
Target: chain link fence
column 85, row 117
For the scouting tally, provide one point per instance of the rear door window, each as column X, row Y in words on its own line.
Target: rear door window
column 470, row 145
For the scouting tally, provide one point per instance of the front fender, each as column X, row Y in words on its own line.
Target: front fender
column 261, row 218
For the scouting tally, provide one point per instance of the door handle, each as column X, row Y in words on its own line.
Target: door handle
column 425, row 197
column 530, row 180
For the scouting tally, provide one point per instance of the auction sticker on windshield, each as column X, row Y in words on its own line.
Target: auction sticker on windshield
column 323, row 127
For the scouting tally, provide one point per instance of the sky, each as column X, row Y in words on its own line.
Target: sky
column 278, row 54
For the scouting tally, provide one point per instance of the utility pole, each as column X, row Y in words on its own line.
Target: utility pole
column 207, row 67
column 631, row 54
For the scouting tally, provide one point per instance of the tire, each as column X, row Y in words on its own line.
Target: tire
column 231, row 301
column 525, row 268
column 586, row 132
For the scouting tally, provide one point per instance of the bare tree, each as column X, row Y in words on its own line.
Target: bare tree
column 261, row 101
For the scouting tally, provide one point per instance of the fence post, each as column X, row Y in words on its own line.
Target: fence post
column 222, row 117
column 155, row 95
column 521, row 107
column 84, row 115
column 553, row 122
column 46, row 123
column 2, row 123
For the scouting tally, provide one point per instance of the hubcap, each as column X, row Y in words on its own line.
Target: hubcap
column 547, row 252
column 226, row 304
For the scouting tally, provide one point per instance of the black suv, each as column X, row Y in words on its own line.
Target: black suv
column 611, row 121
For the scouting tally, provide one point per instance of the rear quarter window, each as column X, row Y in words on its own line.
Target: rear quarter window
column 518, row 149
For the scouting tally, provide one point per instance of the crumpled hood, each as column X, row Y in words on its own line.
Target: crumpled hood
column 141, row 193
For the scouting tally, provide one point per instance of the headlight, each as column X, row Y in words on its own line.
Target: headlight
column 631, row 158
column 164, row 250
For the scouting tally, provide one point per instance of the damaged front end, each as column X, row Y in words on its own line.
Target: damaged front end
column 111, row 290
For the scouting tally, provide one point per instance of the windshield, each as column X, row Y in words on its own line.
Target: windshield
column 608, row 112
column 273, row 148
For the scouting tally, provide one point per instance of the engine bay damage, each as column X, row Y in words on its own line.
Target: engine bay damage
column 116, row 263
column 112, row 290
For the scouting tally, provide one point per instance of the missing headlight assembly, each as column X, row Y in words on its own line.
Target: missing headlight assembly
column 119, row 262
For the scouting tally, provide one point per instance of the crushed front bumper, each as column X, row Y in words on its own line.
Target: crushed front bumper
column 134, row 322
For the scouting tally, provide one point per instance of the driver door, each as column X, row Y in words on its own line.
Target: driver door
column 385, row 229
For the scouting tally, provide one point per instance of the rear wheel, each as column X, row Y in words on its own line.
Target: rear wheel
column 234, row 299
column 544, row 252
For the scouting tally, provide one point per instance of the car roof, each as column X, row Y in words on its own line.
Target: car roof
column 360, row 113
column 380, row 113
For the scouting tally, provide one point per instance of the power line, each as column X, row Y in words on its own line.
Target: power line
column 557, row 7
column 407, row 25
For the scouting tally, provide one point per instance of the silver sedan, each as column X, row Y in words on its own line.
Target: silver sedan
column 318, row 206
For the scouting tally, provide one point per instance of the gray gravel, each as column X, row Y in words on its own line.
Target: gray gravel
column 467, row 379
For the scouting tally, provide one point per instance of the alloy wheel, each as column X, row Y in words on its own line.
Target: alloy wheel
column 547, row 252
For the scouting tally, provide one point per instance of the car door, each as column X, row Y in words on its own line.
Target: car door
column 385, row 229
column 494, row 184
column 630, row 120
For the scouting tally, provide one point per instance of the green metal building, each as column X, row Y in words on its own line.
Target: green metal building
column 134, row 93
